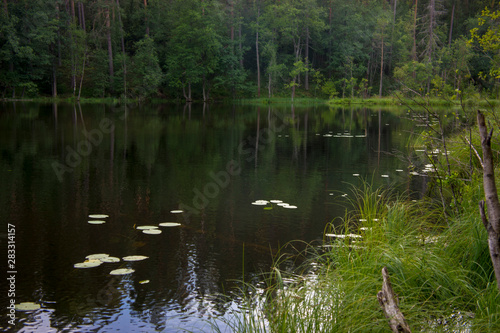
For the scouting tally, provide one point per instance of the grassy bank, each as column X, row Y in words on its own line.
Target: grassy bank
column 437, row 258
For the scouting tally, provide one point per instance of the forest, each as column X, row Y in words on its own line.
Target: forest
column 213, row 49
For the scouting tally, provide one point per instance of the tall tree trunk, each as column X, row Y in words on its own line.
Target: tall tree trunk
column 392, row 33
column 240, row 47
column 414, row 50
column 110, row 47
column 381, row 65
column 83, row 73
column 54, row 81
column 83, row 17
column 123, row 50
column 451, row 24
column 257, row 54
column 306, row 83
column 146, row 21
column 269, row 86
column 492, row 222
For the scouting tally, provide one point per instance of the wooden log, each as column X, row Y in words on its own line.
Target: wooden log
column 388, row 302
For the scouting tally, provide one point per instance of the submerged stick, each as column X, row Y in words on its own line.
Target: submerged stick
column 388, row 302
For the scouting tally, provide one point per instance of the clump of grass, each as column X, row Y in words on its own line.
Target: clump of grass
column 441, row 273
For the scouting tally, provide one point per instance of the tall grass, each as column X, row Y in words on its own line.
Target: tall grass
column 441, row 274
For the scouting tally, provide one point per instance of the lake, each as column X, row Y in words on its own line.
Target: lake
column 139, row 164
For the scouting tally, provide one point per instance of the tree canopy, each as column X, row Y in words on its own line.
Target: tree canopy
column 213, row 49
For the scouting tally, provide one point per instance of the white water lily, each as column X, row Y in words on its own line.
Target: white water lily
column 177, row 211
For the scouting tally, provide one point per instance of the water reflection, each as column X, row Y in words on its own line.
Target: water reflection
column 60, row 163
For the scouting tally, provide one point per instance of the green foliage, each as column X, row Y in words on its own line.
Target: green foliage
column 329, row 89
column 146, row 74
column 210, row 47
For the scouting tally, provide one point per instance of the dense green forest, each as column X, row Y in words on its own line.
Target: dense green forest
column 214, row 49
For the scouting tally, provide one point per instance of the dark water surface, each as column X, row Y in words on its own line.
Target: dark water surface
column 60, row 163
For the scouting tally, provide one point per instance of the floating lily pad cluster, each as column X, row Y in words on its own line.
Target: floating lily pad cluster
column 94, row 260
column 278, row 203
column 97, row 218
column 154, row 229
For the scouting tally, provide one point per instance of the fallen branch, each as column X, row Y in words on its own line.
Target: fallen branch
column 388, row 302
column 475, row 151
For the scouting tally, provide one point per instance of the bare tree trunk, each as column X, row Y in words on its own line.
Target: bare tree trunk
column 269, row 86
column 451, row 24
column 110, row 47
column 83, row 72
column 123, row 50
column 54, row 81
column 240, row 47
column 306, row 83
column 414, row 50
column 381, row 66
column 83, row 17
column 392, row 33
column 257, row 55
column 492, row 222
column 146, row 16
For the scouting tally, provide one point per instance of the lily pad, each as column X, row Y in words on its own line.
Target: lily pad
column 88, row 264
column 177, row 211
column 146, row 227
column 27, row 306
column 96, row 222
column 110, row 259
column 169, row 224
column 343, row 236
column 144, row 281
column 98, row 216
column 134, row 258
column 122, row 271
column 97, row 256
column 152, row 231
